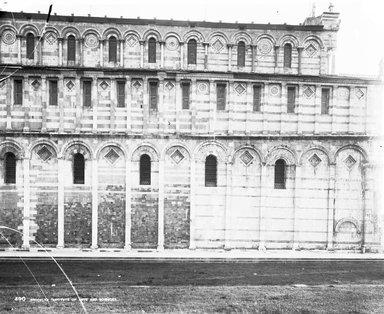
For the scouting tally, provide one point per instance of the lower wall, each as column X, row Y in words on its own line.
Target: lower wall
column 46, row 219
column 11, row 216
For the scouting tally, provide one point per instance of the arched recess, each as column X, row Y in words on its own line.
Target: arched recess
column 352, row 195
column 172, row 50
column 311, row 54
column 111, row 174
column 209, row 218
column 132, row 53
column 218, row 51
column 348, row 233
column 177, row 183
column 11, row 198
column 246, row 193
column 144, row 199
column 78, row 200
column 43, row 166
column 312, row 207
column 265, row 51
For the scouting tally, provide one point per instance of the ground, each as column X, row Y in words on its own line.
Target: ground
column 122, row 286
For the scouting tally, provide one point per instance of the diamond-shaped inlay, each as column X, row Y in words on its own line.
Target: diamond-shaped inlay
column 50, row 39
column 169, row 85
column 104, row 85
column 359, row 93
column 218, row 45
column 131, row 41
column 309, row 91
column 246, row 158
column 310, row 50
column 70, row 85
column 137, row 85
column 314, row 160
column 112, row 156
column 239, row 88
column 177, row 156
column 349, row 161
column 36, row 84
column 44, row 153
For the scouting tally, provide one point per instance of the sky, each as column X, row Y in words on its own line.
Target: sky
column 360, row 38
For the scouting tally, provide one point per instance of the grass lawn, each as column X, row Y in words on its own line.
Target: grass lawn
column 142, row 287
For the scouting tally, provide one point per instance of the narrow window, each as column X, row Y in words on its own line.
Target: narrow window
column 211, row 171
column 185, row 91
column 256, row 97
column 152, row 50
column 30, row 46
column 145, row 170
column 112, row 42
column 241, row 54
column 291, row 98
column 18, row 91
column 78, row 169
column 71, row 48
column 120, row 94
column 153, row 95
column 87, row 93
column 192, row 47
column 53, row 93
column 10, row 168
column 325, row 92
column 221, row 96
column 280, row 174
column 287, row 55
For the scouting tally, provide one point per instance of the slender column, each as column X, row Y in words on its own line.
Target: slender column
column 122, row 53
column 229, row 56
column 299, row 53
column 193, row 105
column 181, row 55
column 261, row 206
column 1, row 59
column 128, row 196
column 60, row 203
column 333, row 62
column 162, row 125
column 206, row 55
column 61, row 104
column 317, row 108
column 332, row 107
column 78, row 105
column 322, row 67
column 160, row 233
column 145, row 106
column 44, row 103
column 299, row 109
column 283, row 105
column 95, row 203
column 26, row 214
column 212, row 107
column 228, row 205
column 254, row 55
column 128, row 90
column 179, row 104
column 276, row 57
column 296, row 208
column 331, row 205
column 248, row 108
column 60, row 41
column 26, row 104
column 141, row 53
column 192, row 204
column 263, row 108
column 230, row 108
column 366, row 235
column 18, row 37
column 112, row 123
column 40, row 60
column 81, row 51
column 9, row 103
column 94, row 103
column 162, row 53
column 101, row 52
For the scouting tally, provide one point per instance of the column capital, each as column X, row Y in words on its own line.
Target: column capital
column 230, row 45
column 60, row 39
column 161, row 42
column 141, row 42
column 276, row 47
column 300, row 48
column 205, row 43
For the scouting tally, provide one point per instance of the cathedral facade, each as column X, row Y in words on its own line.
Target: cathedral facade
column 152, row 134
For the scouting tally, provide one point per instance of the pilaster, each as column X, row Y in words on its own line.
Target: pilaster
column 229, row 56
column 160, row 233
column 192, row 243
column 26, row 211
column 60, row 203
column 331, row 205
column 128, row 196
column 95, row 203
column 228, row 205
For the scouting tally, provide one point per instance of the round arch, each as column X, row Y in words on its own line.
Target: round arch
column 29, row 28
column 13, row 147
column 193, row 34
column 74, row 147
column 281, row 152
column 46, row 142
column 112, row 31
column 100, row 148
column 70, row 30
column 145, row 148
column 152, row 33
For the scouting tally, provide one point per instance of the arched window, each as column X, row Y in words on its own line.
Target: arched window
column 241, row 54
column 145, row 170
column 78, row 169
column 71, row 48
column 280, row 174
column 287, row 55
column 30, row 46
column 211, row 171
column 10, row 168
column 152, row 50
column 192, row 48
column 112, row 42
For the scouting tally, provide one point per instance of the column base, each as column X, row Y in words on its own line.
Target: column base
column 160, row 248
column 262, row 247
column 296, row 247
column 25, row 247
column 59, row 246
column 94, row 247
column 127, row 247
